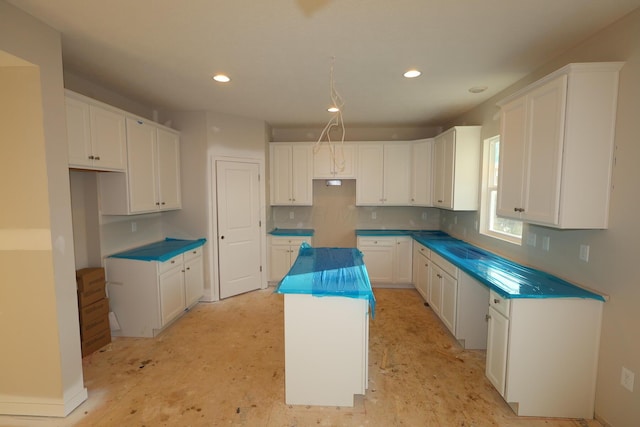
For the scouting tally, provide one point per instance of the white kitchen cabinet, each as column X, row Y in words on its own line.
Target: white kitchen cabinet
column 291, row 166
column 456, row 168
column 542, row 354
column 459, row 301
column 146, row 296
column 556, row 148
column 421, row 269
column 337, row 161
column 95, row 134
column 421, row 172
column 283, row 252
column 152, row 180
column 389, row 259
column 384, row 174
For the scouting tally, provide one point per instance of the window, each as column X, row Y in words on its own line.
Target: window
column 491, row 224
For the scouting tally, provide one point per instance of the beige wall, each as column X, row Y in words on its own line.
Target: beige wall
column 613, row 252
column 40, row 277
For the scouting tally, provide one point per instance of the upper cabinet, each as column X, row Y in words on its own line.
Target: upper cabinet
column 152, row 180
column 456, row 168
column 421, row 172
column 337, row 160
column 291, row 172
column 95, row 134
column 556, row 148
column 384, row 174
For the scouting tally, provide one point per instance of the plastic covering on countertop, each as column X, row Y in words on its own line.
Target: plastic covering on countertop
column 506, row 277
column 160, row 251
column 301, row 232
column 329, row 272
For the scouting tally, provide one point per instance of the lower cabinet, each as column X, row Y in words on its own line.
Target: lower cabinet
column 389, row 260
column 542, row 354
column 459, row 301
column 283, row 252
column 146, row 296
column 421, row 269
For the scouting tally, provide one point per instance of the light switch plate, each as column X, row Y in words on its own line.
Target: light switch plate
column 626, row 378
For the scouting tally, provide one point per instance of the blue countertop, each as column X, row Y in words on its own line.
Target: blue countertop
column 508, row 278
column 293, row 232
column 160, row 251
column 338, row 272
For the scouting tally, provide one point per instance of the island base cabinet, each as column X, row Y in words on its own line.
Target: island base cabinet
column 326, row 344
column 551, row 355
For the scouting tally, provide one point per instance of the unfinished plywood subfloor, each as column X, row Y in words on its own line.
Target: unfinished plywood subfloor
column 223, row 364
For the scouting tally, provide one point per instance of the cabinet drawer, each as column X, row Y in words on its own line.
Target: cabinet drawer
column 289, row 241
column 444, row 264
column 423, row 250
column 500, row 303
column 376, row 241
column 192, row 253
column 170, row 263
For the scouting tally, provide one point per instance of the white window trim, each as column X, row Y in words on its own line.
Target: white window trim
column 485, row 205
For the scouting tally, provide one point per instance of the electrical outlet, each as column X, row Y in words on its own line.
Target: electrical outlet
column 291, row 215
column 134, row 227
column 584, row 253
column 424, row 216
column 626, row 378
column 373, row 215
column 455, row 219
column 531, row 239
column 546, row 242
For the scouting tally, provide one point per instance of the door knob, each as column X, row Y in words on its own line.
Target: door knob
column 222, row 237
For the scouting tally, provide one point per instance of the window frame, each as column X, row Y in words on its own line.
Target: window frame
column 487, row 208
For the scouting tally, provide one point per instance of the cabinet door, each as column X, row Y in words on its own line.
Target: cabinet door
column 512, row 152
column 337, row 161
column 141, row 147
column 421, row 172
column 449, row 301
column 444, row 150
column 378, row 258
column 301, row 175
column 108, row 138
column 421, row 276
column 403, row 262
column 545, row 114
column 369, row 184
column 78, row 133
column 168, row 155
column 397, row 174
column 497, row 347
column 279, row 261
column 172, row 299
column 193, row 279
column 281, row 174
column 435, row 289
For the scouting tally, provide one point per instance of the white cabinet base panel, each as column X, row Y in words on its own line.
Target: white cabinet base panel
column 326, row 349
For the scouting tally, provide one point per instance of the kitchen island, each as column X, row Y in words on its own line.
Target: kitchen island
column 328, row 300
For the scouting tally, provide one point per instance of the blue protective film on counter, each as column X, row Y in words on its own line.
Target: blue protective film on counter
column 506, row 277
column 160, row 251
column 329, row 272
column 302, row 232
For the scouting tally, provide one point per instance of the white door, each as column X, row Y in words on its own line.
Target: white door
column 238, row 227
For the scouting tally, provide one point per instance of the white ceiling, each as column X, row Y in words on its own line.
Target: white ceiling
column 278, row 52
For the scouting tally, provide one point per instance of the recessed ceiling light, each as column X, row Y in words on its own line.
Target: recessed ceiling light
column 412, row 74
column 333, row 109
column 221, row 78
column 478, row 89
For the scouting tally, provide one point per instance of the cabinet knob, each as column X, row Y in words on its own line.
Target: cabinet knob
column 163, row 203
column 188, row 268
column 90, row 157
column 487, row 317
column 173, row 261
column 439, row 201
column 157, row 203
column 222, row 237
column 96, row 158
column 496, row 301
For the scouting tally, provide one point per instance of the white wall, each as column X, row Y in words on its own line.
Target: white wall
column 61, row 388
column 613, row 252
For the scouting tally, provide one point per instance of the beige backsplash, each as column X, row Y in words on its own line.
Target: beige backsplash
column 334, row 216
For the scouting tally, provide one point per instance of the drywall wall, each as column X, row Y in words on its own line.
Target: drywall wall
column 613, row 252
column 43, row 292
